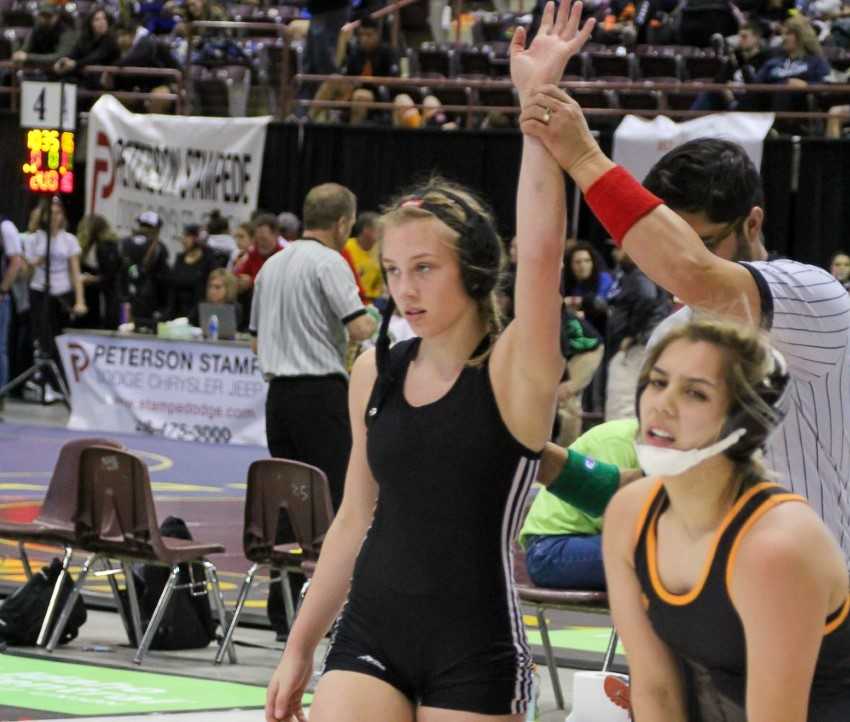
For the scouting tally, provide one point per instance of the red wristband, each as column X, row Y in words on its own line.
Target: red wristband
column 619, row 201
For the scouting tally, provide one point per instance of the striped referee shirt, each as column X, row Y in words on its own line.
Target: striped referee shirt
column 303, row 297
column 807, row 313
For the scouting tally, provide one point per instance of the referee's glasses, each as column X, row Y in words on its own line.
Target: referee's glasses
column 736, row 227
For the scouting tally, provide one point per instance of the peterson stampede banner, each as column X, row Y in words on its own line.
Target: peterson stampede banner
column 182, row 167
column 209, row 393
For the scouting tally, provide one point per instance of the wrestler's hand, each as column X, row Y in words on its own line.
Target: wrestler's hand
column 286, row 687
column 565, row 135
column 557, row 40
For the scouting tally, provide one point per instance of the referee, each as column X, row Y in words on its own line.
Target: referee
column 696, row 230
column 305, row 308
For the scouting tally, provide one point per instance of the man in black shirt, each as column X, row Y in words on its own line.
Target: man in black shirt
column 741, row 66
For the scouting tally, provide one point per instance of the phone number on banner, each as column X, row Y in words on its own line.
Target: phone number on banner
column 186, row 432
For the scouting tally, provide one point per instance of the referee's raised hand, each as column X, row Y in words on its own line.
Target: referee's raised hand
column 556, row 119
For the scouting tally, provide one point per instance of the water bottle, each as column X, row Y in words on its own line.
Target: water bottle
column 125, row 313
column 212, row 328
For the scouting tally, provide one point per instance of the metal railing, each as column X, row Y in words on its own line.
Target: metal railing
column 663, row 88
column 18, row 74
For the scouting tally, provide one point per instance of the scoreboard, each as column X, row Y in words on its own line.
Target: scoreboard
column 49, row 165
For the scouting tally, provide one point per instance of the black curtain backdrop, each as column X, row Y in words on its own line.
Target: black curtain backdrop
column 822, row 221
column 378, row 163
column 15, row 200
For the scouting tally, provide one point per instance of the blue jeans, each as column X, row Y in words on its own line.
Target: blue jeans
column 566, row 562
column 5, row 318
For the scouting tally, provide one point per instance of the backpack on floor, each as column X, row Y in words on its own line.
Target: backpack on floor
column 22, row 614
column 187, row 622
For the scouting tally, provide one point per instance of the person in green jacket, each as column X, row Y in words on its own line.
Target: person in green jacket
column 562, row 540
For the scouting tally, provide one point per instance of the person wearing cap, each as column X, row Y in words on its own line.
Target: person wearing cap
column 143, row 278
column 189, row 275
column 53, row 36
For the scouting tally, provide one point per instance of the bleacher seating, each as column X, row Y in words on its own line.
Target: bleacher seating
column 226, row 91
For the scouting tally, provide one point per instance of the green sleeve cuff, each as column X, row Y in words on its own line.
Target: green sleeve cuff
column 586, row 484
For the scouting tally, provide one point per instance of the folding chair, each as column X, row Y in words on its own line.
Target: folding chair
column 116, row 520
column 566, row 599
column 54, row 525
column 303, row 492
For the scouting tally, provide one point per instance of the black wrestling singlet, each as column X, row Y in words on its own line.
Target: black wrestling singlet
column 432, row 608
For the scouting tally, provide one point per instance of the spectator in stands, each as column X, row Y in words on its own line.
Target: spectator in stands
column 11, row 264
column 839, row 267
column 369, row 55
column 289, row 226
column 156, row 16
column 586, row 283
column 800, row 63
column 218, row 239
column 188, row 277
column 563, row 544
column 100, row 260
column 360, row 250
column 243, row 235
column 433, row 115
column 140, row 49
column 21, row 344
column 66, row 299
column 742, row 65
column 752, row 52
column 221, row 289
column 53, row 36
column 636, row 306
column 193, row 11
column 96, row 45
column 265, row 245
column 143, row 278
column 616, row 23
column 326, row 20
column 405, row 113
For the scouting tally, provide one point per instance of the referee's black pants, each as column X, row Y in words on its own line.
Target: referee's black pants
column 307, row 420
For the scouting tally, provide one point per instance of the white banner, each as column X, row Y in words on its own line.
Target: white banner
column 182, row 167
column 190, row 391
column 639, row 143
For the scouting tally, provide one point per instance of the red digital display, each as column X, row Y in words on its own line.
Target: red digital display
column 50, row 161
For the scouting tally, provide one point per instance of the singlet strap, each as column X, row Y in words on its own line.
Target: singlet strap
column 652, row 500
column 837, row 618
column 396, row 361
column 769, row 498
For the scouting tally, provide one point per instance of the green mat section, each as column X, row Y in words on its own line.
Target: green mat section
column 584, row 639
column 79, row 689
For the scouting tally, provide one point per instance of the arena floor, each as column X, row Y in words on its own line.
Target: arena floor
column 93, row 678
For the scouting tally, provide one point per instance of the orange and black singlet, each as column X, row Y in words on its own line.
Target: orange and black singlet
column 703, row 628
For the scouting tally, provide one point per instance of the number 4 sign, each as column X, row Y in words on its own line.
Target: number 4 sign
column 48, row 105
